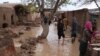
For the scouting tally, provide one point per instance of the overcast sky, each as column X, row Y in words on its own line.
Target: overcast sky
column 67, row 7
column 17, row 1
column 10, row 1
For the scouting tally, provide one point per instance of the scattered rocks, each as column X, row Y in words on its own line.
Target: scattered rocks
column 7, row 47
column 28, row 28
column 20, row 41
column 8, row 33
column 15, row 35
column 20, row 33
column 32, row 41
column 27, row 48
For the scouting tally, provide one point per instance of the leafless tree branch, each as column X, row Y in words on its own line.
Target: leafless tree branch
column 38, row 2
column 97, row 4
column 62, row 2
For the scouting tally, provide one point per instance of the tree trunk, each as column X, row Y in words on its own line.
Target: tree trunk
column 45, row 30
column 46, row 26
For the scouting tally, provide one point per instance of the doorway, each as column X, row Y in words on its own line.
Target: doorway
column 12, row 19
column 4, row 25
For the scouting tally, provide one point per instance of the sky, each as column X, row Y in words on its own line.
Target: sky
column 10, row 1
column 62, row 8
column 67, row 7
column 19, row 1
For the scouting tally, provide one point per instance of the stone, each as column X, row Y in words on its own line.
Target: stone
column 28, row 46
column 9, row 33
column 28, row 28
column 25, row 46
column 32, row 41
column 20, row 33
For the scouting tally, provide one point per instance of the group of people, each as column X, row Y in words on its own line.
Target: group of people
column 61, row 29
column 88, row 33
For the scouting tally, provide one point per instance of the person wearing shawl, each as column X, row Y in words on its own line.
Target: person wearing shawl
column 86, row 38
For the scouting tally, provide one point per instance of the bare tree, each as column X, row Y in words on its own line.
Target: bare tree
column 44, row 4
column 20, row 11
column 89, row 1
column 97, row 5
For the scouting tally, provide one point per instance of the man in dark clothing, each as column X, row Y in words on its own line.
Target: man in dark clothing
column 74, row 29
column 60, row 28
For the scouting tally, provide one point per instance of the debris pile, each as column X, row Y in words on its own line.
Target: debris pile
column 6, row 46
column 27, row 48
column 10, row 33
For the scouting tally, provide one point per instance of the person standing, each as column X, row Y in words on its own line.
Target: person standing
column 60, row 28
column 85, row 39
column 74, row 29
column 88, row 26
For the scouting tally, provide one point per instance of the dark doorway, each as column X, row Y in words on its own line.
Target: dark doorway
column 4, row 25
column 12, row 19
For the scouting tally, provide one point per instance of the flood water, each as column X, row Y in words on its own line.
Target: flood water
column 50, row 46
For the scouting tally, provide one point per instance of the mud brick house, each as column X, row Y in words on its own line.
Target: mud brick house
column 96, row 15
column 82, row 15
column 7, row 14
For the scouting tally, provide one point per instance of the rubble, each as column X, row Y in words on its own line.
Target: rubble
column 7, row 46
column 27, row 48
column 20, row 33
column 28, row 28
column 10, row 33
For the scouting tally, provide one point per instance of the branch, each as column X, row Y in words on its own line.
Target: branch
column 62, row 1
column 54, row 9
column 42, row 3
column 56, row 6
column 41, row 8
column 38, row 2
column 97, row 4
